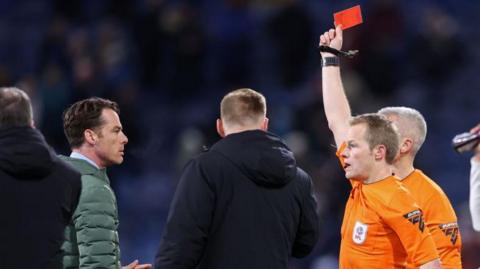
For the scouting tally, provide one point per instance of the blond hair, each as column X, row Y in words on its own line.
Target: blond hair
column 243, row 107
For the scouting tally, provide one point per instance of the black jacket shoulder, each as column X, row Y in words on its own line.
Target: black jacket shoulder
column 38, row 193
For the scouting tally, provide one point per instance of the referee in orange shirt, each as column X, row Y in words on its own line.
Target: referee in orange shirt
column 438, row 211
column 382, row 225
column 439, row 214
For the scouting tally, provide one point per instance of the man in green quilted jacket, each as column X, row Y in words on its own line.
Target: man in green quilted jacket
column 94, row 132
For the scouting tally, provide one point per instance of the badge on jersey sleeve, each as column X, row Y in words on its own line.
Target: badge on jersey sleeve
column 359, row 232
column 450, row 229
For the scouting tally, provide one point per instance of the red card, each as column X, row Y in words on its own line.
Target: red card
column 349, row 17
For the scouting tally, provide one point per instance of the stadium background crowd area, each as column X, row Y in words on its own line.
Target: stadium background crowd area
column 168, row 63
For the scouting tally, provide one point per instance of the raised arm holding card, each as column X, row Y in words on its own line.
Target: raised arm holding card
column 412, row 131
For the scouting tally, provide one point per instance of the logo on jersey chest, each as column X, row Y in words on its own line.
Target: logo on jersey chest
column 359, row 232
column 450, row 229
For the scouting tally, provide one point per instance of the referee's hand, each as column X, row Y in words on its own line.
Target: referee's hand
column 332, row 38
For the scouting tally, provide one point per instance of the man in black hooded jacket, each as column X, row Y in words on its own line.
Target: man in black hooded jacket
column 244, row 203
column 38, row 192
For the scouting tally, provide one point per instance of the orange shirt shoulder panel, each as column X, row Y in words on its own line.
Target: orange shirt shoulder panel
column 374, row 234
column 439, row 215
column 405, row 217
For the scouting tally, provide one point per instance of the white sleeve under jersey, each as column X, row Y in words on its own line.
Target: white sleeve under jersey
column 475, row 194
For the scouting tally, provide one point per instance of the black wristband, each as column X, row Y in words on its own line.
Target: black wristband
column 330, row 61
column 336, row 52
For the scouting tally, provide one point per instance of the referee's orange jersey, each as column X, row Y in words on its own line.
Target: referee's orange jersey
column 439, row 216
column 383, row 227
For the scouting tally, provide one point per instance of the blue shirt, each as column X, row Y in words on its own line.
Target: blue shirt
column 77, row 155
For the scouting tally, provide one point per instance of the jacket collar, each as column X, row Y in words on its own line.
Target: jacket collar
column 86, row 168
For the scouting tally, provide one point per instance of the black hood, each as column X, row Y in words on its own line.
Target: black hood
column 262, row 156
column 24, row 154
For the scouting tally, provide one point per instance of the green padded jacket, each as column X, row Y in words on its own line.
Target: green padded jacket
column 91, row 239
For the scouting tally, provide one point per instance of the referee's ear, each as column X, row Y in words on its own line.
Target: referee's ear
column 380, row 152
column 406, row 146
